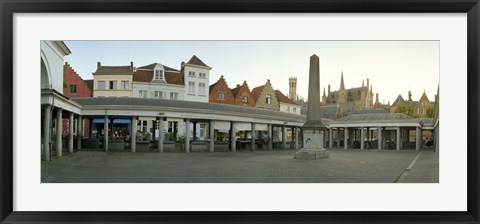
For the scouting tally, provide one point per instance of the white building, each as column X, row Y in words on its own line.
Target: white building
column 286, row 104
column 158, row 81
column 197, row 79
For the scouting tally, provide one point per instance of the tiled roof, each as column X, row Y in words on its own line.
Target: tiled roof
column 196, row 61
column 132, row 102
column 398, row 100
column 114, row 70
column 147, row 76
column 368, row 111
column 256, row 92
column 152, row 66
column 376, row 117
column 282, row 98
column 89, row 83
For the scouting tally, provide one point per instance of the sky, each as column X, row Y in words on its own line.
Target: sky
column 393, row 67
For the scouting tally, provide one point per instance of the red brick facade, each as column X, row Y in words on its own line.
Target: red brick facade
column 242, row 94
column 74, row 87
column 220, row 89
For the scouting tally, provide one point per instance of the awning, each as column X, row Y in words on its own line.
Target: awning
column 261, row 127
column 243, row 126
column 221, row 125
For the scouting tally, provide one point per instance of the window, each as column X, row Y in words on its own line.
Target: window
column 202, row 75
column 158, row 74
column 159, row 94
column 173, row 96
column 191, row 74
column 191, row 87
column 221, row 95
column 113, row 85
column 288, row 108
column 245, row 99
column 424, row 103
column 143, row 93
column 420, row 111
column 359, row 92
column 294, row 109
column 125, row 85
column 268, row 99
column 101, row 85
column 201, row 88
column 73, row 88
column 142, row 126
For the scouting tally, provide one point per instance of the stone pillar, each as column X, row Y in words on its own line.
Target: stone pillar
column 270, row 137
column 284, row 137
column 133, row 134
column 47, row 124
column 160, row 134
column 105, row 128
column 79, row 132
column 380, row 139
column 233, row 137
column 418, row 141
column 345, row 140
column 253, row 136
column 362, row 138
column 211, row 130
column 70, row 133
column 330, row 138
column 296, row 138
column 58, row 141
column 398, row 138
column 187, row 135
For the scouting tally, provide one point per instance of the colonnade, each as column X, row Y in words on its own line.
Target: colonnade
column 357, row 137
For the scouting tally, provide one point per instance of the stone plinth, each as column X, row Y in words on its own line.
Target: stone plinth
column 312, row 146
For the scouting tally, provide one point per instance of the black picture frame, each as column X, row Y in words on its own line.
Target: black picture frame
column 9, row 7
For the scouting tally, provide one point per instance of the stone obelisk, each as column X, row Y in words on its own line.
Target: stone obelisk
column 313, row 129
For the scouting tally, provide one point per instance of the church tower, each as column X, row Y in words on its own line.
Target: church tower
column 292, row 89
column 324, row 97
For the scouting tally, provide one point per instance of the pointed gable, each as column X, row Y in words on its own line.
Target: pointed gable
column 196, row 61
column 242, row 93
column 342, row 83
column 398, row 100
column 220, row 93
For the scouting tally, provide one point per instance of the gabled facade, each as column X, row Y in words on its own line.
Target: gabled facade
column 242, row 96
column 113, row 81
column 197, row 78
column 360, row 97
column 421, row 106
column 158, row 81
column 265, row 98
column 286, row 104
column 220, row 93
column 74, row 86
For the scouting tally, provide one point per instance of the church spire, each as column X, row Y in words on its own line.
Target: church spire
column 324, row 91
column 342, row 84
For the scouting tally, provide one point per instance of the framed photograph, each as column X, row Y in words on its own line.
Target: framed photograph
column 245, row 112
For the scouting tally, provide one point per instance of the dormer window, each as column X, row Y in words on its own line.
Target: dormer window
column 159, row 74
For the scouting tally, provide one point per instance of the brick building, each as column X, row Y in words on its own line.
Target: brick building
column 220, row 93
column 265, row 97
column 242, row 96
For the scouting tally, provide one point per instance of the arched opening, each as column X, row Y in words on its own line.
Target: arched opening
column 44, row 80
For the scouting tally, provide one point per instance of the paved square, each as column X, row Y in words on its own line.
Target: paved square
column 343, row 166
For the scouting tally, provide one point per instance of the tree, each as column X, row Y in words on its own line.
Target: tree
column 430, row 113
column 404, row 109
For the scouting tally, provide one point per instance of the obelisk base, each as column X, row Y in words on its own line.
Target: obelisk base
column 312, row 146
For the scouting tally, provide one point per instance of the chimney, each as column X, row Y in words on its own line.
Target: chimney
column 329, row 89
column 99, row 64
column 182, row 64
column 131, row 65
column 368, row 82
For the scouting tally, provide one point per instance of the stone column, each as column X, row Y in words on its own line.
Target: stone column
column 380, row 139
column 418, row 141
column 70, row 133
column 79, row 132
column 133, row 134
column 253, row 136
column 345, row 140
column 270, row 137
column 362, row 138
column 59, row 124
column 284, row 137
column 211, row 130
column 398, row 138
column 47, row 124
column 105, row 128
column 296, row 138
column 233, row 137
column 160, row 134
column 187, row 135
column 330, row 138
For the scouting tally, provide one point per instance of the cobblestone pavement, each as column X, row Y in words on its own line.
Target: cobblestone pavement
column 343, row 166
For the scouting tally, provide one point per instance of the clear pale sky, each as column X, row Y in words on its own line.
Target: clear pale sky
column 393, row 67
